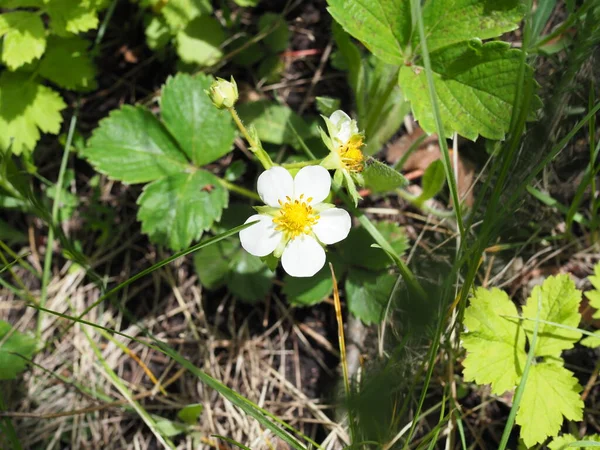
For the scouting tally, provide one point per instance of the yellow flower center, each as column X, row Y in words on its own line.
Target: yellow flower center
column 351, row 154
column 296, row 217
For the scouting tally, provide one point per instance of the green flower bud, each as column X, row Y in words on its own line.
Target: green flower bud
column 223, row 93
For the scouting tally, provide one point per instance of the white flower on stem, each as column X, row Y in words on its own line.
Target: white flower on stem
column 295, row 224
column 346, row 157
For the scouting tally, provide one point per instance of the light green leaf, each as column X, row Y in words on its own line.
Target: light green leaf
column 475, row 84
column 559, row 303
column 132, row 146
column 22, row 3
column 380, row 177
column 190, row 413
column 175, row 210
column 167, row 427
column 383, row 26
column 433, row 181
column 71, row 53
column 277, row 39
column 272, row 122
column 566, row 441
column 26, row 108
column 551, row 392
column 495, row 345
column 594, row 295
column 212, row 262
column 24, row 38
column 357, row 250
column 178, row 13
column 250, row 279
column 200, row 41
column 203, row 132
column 11, row 364
column 72, row 16
column 158, row 33
column 327, row 105
column 592, row 341
column 450, row 21
column 247, row 3
column 367, row 294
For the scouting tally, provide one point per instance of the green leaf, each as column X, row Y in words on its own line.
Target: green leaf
column 11, row 235
column 168, row 428
column 357, row 250
column 24, row 38
column 383, row 26
column 71, row 53
column 448, row 22
column 566, row 441
column 495, row 344
column 594, row 295
column 200, row 41
column 26, row 108
column 203, row 132
column 351, row 59
column 272, row 122
column 327, row 105
column 12, row 342
column 433, row 181
column 312, row 290
column 132, row 146
column 250, row 279
column 175, row 210
column 235, row 170
column 380, row 177
column 191, row 413
column 560, row 304
column 72, row 16
column 178, row 13
column 212, row 263
column 475, row 84
column 367, row 294
column 551, row 392
column 158, row 33
column 277, row 39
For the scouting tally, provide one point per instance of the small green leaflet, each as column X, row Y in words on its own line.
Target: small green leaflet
column 475, row 84
column 12, row 341
column 72, row 53
column 24, row 38
column 200, row 41
column 204, row 133
column 26, row 108
column 496, row 353
column 384, row 26
column 433, row 181
column 594, row 300
column 368, row 294
column 69, row 17
column 566, row 441
column 175, row 210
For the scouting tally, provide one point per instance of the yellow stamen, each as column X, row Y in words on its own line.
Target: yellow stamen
column 296, row 217
column 351, row 154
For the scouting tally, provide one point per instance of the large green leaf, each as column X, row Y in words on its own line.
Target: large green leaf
column 24, row 38
column 475, row 84
column 384, row 26
column 71, row 53
column 175, row 210
column 131, row 145
column 380, row 177
column 11, row 346
column 450, row 21
column 368, row 293
column 249, row 279
column 26, row 108
column 203, row 132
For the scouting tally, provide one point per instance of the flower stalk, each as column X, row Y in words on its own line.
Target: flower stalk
column 255, row 144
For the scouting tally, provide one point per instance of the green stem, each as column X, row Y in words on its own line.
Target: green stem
column 239, row 190
column 54, row 223
column 299, row 165
column 255, row 146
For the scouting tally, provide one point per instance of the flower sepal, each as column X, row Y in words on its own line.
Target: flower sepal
column 267, row 210
column 223, row 93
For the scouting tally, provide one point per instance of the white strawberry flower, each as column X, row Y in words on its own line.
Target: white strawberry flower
column 296, row 224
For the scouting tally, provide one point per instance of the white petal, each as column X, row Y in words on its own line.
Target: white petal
column 303, row 257
column 339, row 117
column 261, row 238
column 344, row 133
column 333, row 226
column 312, row 181
column 275, row 184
